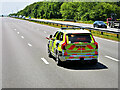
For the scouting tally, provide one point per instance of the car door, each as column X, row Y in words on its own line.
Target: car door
column 55, row 42
column 52, row 41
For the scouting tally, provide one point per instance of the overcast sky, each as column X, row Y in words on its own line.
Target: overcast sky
column 12, row 6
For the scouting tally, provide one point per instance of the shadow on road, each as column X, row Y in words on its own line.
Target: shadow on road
column 81, row 66
column 76, row 66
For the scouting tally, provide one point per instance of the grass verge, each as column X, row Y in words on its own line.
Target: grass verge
column 78, row 21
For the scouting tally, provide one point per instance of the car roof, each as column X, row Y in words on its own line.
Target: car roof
column 74, row 31
column 98, row 21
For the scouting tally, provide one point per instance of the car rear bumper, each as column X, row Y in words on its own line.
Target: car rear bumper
column 78, row 57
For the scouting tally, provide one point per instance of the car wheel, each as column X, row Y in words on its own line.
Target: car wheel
column 94, row 62
column 58, row 60
column 49, row 53
column 111, row 25
column 97, row 26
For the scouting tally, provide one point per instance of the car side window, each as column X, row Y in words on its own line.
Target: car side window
column 61, row 36
column 58, row 36
column 55, row 34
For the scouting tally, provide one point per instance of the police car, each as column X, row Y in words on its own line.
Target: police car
column 71, row 44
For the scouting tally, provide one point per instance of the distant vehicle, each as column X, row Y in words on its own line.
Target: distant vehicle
column 2, row 15
column 16, row 16
column 23, row 17
column 113, row 22
column 73, row 45
column 29, row 17
column 20, row 16
column 13, row 16
column 99, row 24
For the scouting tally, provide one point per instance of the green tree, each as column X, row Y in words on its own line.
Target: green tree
column 68, row 10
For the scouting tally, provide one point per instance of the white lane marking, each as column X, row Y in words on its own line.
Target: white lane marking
column 22, row 37
column 111, row 58
column 45, row 61
column 18, row 32
column 44, row 31
column 106, row 39
column 15, row 29
column 29, row 44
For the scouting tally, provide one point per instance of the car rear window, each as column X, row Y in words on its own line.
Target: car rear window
column 79, row 38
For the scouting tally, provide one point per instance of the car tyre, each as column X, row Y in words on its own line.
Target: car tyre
column 58, row 60
column 94, row 62
column 49, row 53
column 97, row 26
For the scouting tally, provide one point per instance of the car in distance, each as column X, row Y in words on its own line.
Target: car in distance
column 23, row 17
column 29, row 17
column 99, row 24
column 73, row 45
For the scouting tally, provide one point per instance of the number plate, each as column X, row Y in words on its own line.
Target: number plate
column 80, row 46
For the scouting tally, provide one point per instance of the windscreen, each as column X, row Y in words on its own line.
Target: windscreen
column 101, row 22
column 79, row 38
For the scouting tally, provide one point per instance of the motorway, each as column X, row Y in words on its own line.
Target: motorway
column 0, row 53
column 25, row 63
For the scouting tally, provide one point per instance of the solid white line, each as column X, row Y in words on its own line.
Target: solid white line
column 45, row 61
column 44, row 31
column 111, row 58
column 29, row 44
column 18, row 32
column 107, row 40
column 22, row 37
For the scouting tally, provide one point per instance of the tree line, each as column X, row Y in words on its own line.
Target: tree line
column 72, row 10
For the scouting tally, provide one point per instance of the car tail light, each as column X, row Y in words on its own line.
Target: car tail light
column 96, row 53
column 63, row 45
column 65, row 54
column 96, row 45
column 93, row 38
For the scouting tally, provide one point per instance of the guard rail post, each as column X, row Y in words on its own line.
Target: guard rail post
column 90, row 30
column 101, row 33
column 117, row 35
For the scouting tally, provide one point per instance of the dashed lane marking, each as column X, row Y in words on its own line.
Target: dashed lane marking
column 44, row 31
column 22, row 37
column 111, row 58
column 29, row 44
column 45, row 61
column 18, row 32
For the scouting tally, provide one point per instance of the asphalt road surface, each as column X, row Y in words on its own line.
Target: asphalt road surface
column 0, row 53
column 25, row 63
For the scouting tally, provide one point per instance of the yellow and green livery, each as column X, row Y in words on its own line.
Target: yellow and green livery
column 73, row 45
